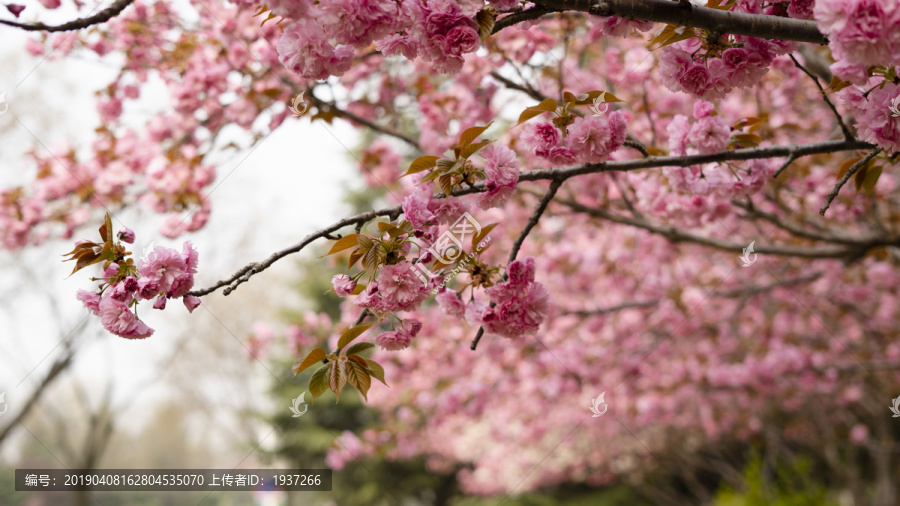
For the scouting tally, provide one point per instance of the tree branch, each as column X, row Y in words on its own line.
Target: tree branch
column 840, row 184
column 685, row 14
column 560, row 173
column 517, row 17
column 101, row 17
column 847, row 133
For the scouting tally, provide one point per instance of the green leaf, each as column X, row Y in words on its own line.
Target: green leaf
column 871, row 179
column 337, row 377
column 472, row 149
column 351, row 334
column 346, row 242
column 318, row 383
column 358, row 376
column 548, row 105
column 376, row 371
column 317, row 355
column 422, row 163
column 431, row 175
column 470, row 134
column 359, row 289
column 385, row 226
column 359, row 348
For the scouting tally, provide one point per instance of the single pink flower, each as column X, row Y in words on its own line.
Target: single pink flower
column 343, row 285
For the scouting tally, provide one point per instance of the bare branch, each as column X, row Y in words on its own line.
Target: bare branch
column 847, row 133
column 685, row 14
column 517, row 17
column 101, row 17
column 847, row 175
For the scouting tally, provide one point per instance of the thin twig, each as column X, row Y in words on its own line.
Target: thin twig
column 847, row 175
column 77, row 24
column 847, row 133
column 791, row 158
column 518, row 17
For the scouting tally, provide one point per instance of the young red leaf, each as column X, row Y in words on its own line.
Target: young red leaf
column 337, row 377
column 422, row 163
column 346, row 242
column 358, row 376
column 470, row 134
column 317, row 355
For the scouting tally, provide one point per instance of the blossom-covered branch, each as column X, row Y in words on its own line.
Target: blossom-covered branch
column 564, row 173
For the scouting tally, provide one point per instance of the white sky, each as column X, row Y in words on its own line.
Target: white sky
column 289, row 186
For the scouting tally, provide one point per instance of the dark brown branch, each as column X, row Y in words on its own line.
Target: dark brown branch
column 101, row 17
column 685, row 14
column 787, row 163
column 518, row 17
column 847, row 133
column 847, row 175
column 560, row 173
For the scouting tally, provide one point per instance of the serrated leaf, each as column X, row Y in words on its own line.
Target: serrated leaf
column 431, row 175
column 352, row 333
column 376, row 371
column 85, row 258
column 548, row 105
column 346, row 242
column 871, row 179
column 106, row 229
column 365, row 243
column 670, row 35
column 485, row 22
column 337, row 377
column 485, row 230
column 359, row 360
column 446, row 184
column 358, row 376
column 354, row 257
column 421, row 163
column 358, row 348
column 471, row 149
column 470, row 134
column 318, row 382
column 79, row 248
column 385, row 227
column 846, row 166
column 317, row 355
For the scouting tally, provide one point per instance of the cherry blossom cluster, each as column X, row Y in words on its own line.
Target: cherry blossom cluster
column 323, row 39
column 162, row 274
column 695, row 63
